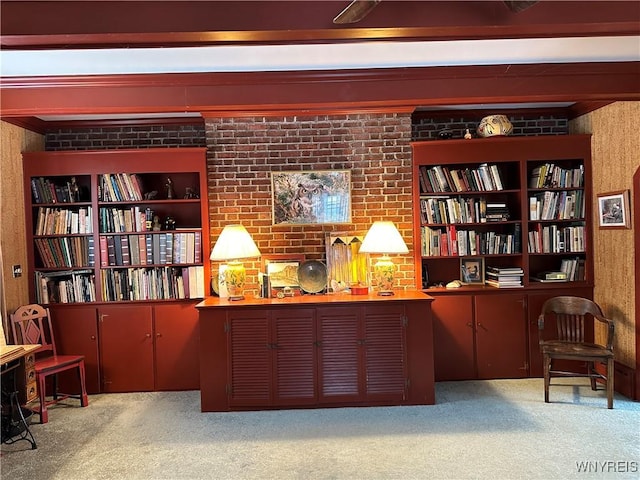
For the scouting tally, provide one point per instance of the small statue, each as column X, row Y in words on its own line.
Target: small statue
column 467, row 134
column 169, row 223
column 190, row 193
column 169, row 187
column 445, row 134
column 156, row 224
column 151, row 195
column 74, row 191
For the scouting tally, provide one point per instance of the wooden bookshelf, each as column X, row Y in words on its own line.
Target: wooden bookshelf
column 91, row 224
column 510, row 204
column 118, row 244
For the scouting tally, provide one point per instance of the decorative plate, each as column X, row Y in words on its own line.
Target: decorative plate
column 312, row 276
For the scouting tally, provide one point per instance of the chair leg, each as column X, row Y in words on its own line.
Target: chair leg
column 54, row 381
column 84, row 399
column 42, row 394
column 610, row 375
column 547, row 379
column 591, row 366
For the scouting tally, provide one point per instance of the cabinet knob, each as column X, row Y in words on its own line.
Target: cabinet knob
column 93, row 337
column 148, row 335
column 158, row 335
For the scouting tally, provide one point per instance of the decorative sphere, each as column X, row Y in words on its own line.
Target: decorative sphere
column 494, row 125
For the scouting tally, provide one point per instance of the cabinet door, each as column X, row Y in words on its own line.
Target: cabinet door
column 76, row 333
column 453, row 337
column 294, row 352
column 250, row 349
column 340, row 354
column 384, row 329
column 126, row 348
column 177, row 340
column 501, row 337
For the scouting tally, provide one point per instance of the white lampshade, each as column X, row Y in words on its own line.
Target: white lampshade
column 234, row 243
column 383, row 237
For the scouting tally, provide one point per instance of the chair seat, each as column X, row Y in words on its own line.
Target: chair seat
column 557, row 347
column 56, row 361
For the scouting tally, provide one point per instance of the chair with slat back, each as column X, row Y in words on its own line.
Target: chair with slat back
column 575, row 323
column 31, row 324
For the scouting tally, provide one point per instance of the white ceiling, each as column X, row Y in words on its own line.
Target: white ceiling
column 379, row 54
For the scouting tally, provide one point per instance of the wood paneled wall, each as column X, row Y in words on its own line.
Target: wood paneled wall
column 13, row 141
column 615, row 145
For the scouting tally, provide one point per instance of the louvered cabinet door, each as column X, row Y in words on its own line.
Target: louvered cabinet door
column 340, row 354
column 250, row 358
column 384, row 342
column 294, row 356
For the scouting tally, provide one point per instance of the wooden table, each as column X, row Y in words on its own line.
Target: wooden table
column 12, row 360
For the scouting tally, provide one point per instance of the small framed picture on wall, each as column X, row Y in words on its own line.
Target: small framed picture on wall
column 613, row 210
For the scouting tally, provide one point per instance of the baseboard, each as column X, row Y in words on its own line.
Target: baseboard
column 624, row 380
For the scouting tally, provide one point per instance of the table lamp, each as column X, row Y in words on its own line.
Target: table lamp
column 233, row 245
column 384, row 238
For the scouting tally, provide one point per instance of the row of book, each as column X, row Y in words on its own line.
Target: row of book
column 62, row 221
column 77, row 286
column 158, row 283
column 66, row 252
column 119, row 220
column 550, row 175
column 557, row 205
column 436, row 242
column 462, row 210
column 151, row 249
column 555, row 239
column 443, row 179
column 45, row 191
column 574, row 268
column 120, row 187
column 504, row 277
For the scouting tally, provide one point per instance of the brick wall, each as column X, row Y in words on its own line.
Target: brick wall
column 374, row 147
column 148, row 136
column 428, row 127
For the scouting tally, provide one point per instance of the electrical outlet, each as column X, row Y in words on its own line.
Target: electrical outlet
column 17, row 271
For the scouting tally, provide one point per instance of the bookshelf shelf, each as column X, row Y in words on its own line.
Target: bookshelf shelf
column 473, row 323
column 73, row 215
column 541, row 211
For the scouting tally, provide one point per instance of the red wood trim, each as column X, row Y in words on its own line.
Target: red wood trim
column 396, row 88
column 276, row 37
column 326, row 110
column 64, row 24
column 636, row 240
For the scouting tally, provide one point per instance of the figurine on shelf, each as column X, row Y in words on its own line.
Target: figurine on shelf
column 169, row 187
column 467, row 134
column 151, row 195
column 190, row 192
column 156, row 224
column 169, row 223
column 74, row 191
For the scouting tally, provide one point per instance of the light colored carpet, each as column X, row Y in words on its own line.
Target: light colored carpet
column 498, row 429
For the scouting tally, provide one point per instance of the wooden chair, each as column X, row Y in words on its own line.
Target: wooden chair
column 575, row 327
column 31, row 324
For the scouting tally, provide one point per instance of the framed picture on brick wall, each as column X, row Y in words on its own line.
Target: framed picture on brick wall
column 311, row 197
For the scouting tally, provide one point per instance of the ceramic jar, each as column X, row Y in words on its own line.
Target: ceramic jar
column 493, row 125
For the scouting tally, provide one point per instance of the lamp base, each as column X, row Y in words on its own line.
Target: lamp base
column 385, row 293
column 383, row 272
column 234, row 278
